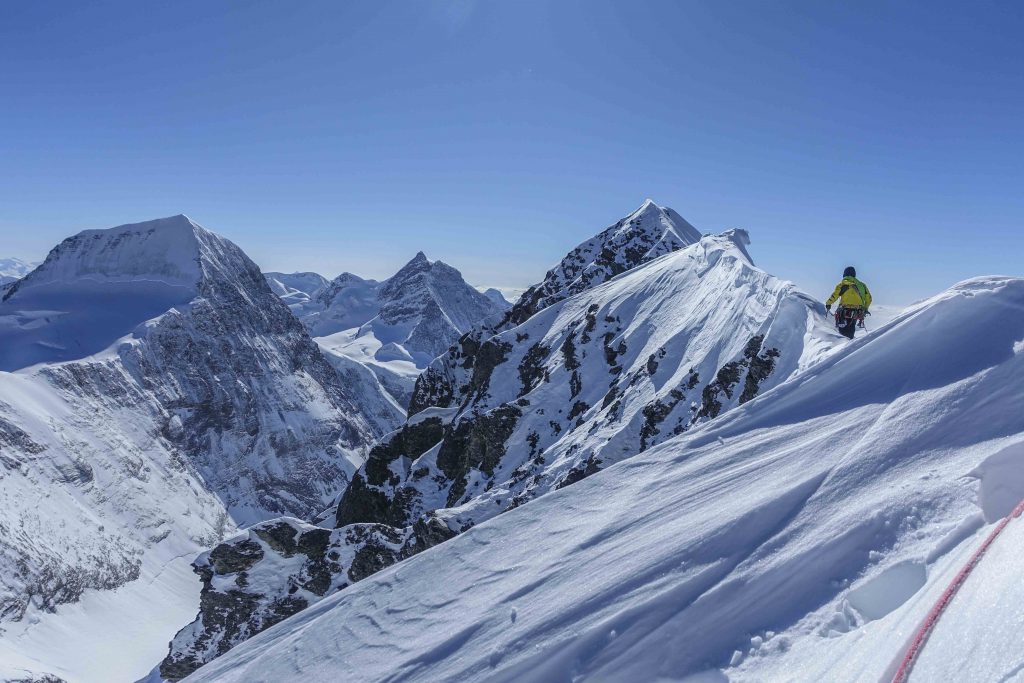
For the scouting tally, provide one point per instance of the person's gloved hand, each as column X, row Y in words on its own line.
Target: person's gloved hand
column 828, row 310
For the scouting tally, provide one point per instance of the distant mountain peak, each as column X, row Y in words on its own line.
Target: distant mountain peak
column 13, row 269
column 495, row 295
column 168, row 252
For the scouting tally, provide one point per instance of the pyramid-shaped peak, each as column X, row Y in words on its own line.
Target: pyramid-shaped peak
column 164, row 250
column 645, row 234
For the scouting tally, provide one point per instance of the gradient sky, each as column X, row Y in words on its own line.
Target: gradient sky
column 335, row 136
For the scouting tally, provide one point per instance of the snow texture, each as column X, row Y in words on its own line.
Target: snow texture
column 801, row 536
column 590, row 380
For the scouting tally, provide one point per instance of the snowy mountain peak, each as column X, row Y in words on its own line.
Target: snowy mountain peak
column 418, row 264
column 645, row 234
column 165, row 251
column 652, row 216
column 498, row 298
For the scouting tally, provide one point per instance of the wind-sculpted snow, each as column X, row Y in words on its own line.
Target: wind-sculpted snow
column 585, row 383
column 243, row 595
column 170, row 426
column 785, row 540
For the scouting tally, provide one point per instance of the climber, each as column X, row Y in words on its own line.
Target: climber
column 854, row 302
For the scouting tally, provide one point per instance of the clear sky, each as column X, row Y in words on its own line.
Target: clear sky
column 333, row 136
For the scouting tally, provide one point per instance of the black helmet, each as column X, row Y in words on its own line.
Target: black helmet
column 850, row 272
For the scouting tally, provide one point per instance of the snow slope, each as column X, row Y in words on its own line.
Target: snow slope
column 592, row 379
column 584, row 383
column 154, row 394
column 799, row 537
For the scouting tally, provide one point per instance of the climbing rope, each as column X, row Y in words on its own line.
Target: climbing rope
column 921, row 637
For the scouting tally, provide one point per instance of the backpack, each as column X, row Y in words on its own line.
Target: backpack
column 859, row 286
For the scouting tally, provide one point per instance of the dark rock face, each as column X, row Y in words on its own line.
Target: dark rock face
column 229, row 559
column 231, row 610
column 475, row 443
column 755, row 366
column 579, row 473
column 363, row 503
column 309, row 564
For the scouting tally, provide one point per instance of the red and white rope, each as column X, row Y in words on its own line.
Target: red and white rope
column 921, row 637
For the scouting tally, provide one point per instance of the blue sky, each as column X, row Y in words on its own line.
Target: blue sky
column 336, row 136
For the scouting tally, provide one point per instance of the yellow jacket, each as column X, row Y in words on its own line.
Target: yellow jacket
column 852, row 293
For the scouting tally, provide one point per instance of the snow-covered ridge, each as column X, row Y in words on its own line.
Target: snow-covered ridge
column 597, row 377
column 802, row 537
column 584, row 383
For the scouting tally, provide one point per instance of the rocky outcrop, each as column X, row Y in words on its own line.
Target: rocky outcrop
column 245, row 592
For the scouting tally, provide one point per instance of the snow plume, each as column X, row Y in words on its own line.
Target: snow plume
column 800, row 536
